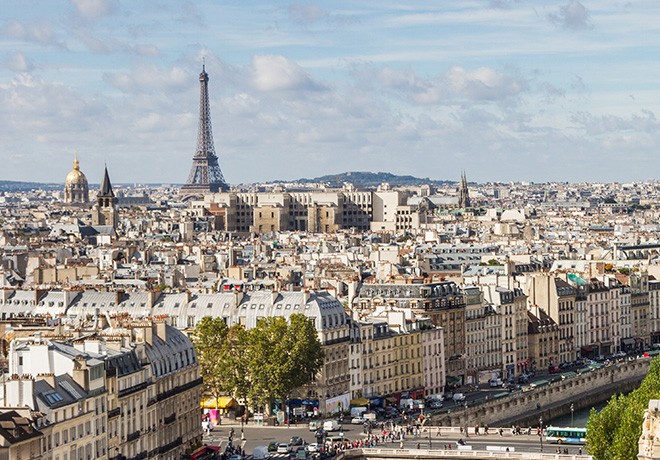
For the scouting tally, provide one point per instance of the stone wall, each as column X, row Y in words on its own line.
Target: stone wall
column 552, row 400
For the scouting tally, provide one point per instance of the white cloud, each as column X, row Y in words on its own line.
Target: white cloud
column 149, row 78
column 483, row 84
column 456, row 85
column 305, row 13
column 572, row 16
column 17, row 62
column 277, row 73
column 92, row 10
column 42, row 34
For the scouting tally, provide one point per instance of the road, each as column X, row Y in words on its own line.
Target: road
column 263, row 435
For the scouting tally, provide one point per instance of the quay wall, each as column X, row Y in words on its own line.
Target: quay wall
column 422, row 454
column 551, row 400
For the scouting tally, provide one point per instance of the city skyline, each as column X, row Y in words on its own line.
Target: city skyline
column 508, row 90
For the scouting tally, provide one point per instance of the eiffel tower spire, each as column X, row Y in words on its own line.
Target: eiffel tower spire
column 205, row 175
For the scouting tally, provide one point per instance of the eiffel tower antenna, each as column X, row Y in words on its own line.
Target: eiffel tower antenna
column 205, row 175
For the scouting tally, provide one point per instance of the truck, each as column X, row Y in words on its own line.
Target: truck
column 357, row 411
column 331, row 425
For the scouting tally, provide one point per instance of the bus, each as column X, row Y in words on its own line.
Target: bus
column 557, row 435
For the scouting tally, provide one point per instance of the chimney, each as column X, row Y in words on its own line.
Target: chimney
column 119, row 297
column 149, row 334
column 49, row 378
column 38, row 294
column 80, row 374
column 160, row 329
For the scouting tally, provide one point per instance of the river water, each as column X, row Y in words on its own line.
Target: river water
column 579, row 418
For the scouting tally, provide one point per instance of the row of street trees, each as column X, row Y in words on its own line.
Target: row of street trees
column 260, row 364
column 613, row 433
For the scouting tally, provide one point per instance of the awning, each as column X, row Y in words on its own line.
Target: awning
column 223, row 402
column 628, row 341
column 204, row 452
column 359, row 402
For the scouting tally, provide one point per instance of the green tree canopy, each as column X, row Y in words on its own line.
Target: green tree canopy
column 613, row 433
column 220, row 352
column 283, row 356
column 259, row 364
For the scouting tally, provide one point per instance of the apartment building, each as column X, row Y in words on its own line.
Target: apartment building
column 132, row 391
column 442, row 302
column 557, row 299
column 483, row 338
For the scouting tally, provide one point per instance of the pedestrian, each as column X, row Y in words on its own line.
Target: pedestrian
column 418, row 445
column 401, row 445
column 580, row 451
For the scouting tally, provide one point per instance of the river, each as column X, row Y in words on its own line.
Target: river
column 579, row 417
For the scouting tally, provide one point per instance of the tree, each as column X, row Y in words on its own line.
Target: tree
column 209, row 337
column 261, row 364
column 613, row 433
column 282, row 356
column 221, row 355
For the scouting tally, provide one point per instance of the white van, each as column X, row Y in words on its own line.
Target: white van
column 458, row 397
column 331, row 425
column 494, row 383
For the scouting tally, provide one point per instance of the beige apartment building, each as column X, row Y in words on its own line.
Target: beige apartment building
column 133, row 393
column 557, row 299
column 483, row 338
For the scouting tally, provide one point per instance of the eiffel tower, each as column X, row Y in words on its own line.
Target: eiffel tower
column 205, row 174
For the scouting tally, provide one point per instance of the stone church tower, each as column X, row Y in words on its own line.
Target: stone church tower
column 104, row 211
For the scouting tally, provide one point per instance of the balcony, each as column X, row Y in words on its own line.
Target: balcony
column 133, row 436
column 169, row 419
column 114, row 412
column 179, row 389
column 133, row 389
column 167, row 447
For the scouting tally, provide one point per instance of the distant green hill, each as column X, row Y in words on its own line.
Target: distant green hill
column 370, row 179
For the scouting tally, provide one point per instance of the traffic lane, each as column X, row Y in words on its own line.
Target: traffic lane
column 264, row 435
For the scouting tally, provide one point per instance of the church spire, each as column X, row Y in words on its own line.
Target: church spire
column 463, row 192
column 106, row 187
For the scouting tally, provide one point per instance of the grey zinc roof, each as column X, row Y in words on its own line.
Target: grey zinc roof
column 169, row 356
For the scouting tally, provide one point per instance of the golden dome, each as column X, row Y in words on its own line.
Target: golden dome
column 76, row 176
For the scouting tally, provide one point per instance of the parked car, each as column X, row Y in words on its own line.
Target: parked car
column 313, row 447
column 272, row 447
column 435, row 404
column 458, row 397
column 296, row 441
column 282, row 448
column 357, row 420
column 554, row 369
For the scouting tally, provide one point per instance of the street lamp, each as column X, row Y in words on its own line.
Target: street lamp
column 541, row 432
column 288, row 413
column 572, row 410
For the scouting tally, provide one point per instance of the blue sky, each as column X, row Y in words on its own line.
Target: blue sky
column 503, row 89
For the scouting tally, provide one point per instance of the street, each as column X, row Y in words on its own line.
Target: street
column 263, row 435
